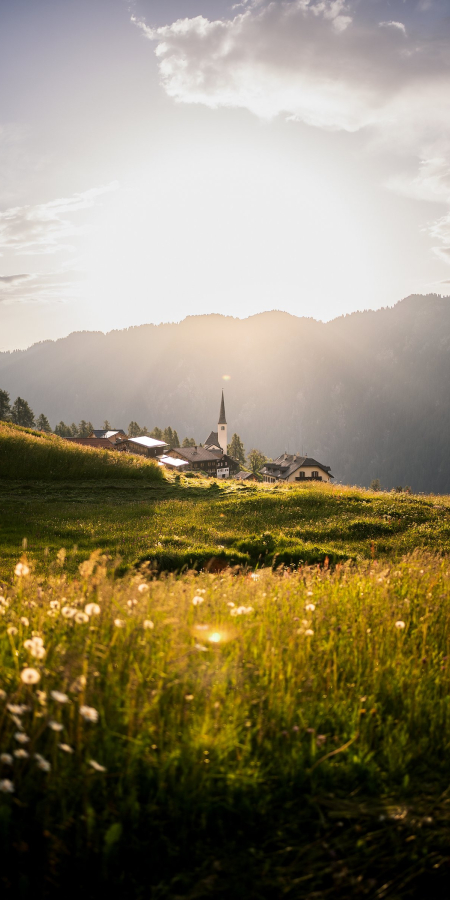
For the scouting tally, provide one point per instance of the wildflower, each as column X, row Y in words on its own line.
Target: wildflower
column 400, row 624
column 12, row 630
column 254, row 576
column 6, row 786
column 95, row 765
column 310, row 607
column 21, row 754
column 320, row 739
column 81, row 618
column 230, row 604
column 6, row 759
column 92, row 609
column 30, row 676
column 59, row 697
column 309, row 593
column 68, row 612
column 197, row 600
column 21, row 738
column 42, row 697
column 66, row 748
column 44, row 765
column 17, row 709
column 21, row 570
column 36, row 647
column 148, row 623
column 55, row 726
column 88, row 713
column 119, row 623
column 54, row 604
column 79, row 684
column 24, row 621
column 295, row 728
column 189, row 697
column 3, row 601
column 142, row 588
column 200, row 647
column 309, row 632
column 241, row 611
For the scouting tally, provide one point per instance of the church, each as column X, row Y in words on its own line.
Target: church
column 211, row 458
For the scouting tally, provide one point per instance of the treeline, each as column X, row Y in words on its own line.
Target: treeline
column 20, row 413
column 254, row 460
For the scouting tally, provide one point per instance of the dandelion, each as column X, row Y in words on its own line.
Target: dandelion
column 17, row 709
column 42, row 697
column 309, row 593
column 88, row 713
column 12, row 630
column 24, row 621
column 55, row 726
column 310, row 607
column 200, row 647
column 309, row 632
column 36, row 647
column 6, row 759
column 241, row 611
column 21, row 738
column 54, row 604
column 21, row 570
column 119, row 623
column 197, row 600
column 142, row 588
column 95, row 765
column 6, row 786
column 21, row 754
column 254, row 576
column 148, row 623
column 92, row 609
column 68, row 612
column 321, row 738
column 189, row 697
column 81, row 618
column 400, row 625
column 30, row 676
column 66, row 748
column 59, row 697
column 44, row 765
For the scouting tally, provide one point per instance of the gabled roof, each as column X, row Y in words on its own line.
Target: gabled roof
column 222, row 419
column 212, row 440
column 101, row 433
column 172, row 461
column 242, row 476
column 286, row 464
column 197, row 454
column 145, row 441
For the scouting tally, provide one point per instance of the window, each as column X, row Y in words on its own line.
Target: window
column 314, row 474
column 222, row 427
column 301, row 474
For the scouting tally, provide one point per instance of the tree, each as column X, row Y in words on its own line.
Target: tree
column 188, row 442
column 134, row 430
column 106, row 425
column 170, row 437
column 156, row 434
column 85, row 428
column 256, row 460
column 375, row 485
column 5, row 409
column 236, row 449
column 22, row 414
column 62, row 429
column 42, row 424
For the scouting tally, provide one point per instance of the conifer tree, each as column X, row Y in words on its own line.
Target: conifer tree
column 156, row 434
column 22, row 414
column 106, row 425
column 188, row 442
column 134, row 430
column 42, row 424
column 84, row 428
column 256, row 460
column 236, row 449
column 5, row 409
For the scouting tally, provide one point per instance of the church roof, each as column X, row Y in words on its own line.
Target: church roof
column 212, row 440
column 222, row 419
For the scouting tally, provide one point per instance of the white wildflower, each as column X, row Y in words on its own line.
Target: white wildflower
column 55, row 726
column 21, row 738
column 54, row 604
column 400, row 624
column 95, row 765
column 309, row 632
column 310, row 607
column 92, row 609
column 6, row 759
column 44, row 765
column 68, row 612
column 59, row 696
column 17, row 709
column 148, row 623
column 6, row 786
column 142, row 588
column 197, row 600
column 119, row 623
column 12, row 630
column 21, row 570
column 24, row 621
column 88, row 713
column 21, row 754
column 241, row 610
column 81, row 618
column 66, row 748
column 30, row 676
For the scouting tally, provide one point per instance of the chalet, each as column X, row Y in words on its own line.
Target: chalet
column 112, row 436
column 144, row 446
column 295, row 468
column 246, row 476
column 211, row 458
column 170, row 462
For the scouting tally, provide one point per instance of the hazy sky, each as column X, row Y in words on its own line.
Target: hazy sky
column 161, row 158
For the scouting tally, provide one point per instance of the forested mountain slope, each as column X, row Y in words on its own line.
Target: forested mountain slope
column 367, row 394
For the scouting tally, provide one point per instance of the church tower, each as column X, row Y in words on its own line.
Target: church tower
column 222, row 427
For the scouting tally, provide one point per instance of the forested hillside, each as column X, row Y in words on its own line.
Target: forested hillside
column 367, row 394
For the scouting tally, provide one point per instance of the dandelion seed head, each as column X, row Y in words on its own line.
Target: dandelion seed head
column 6, row 759
column 142, row 588
column 92, row 609
column 68, row 612
column 30, row 676
column 400, row 624
column 21, row 738
column 197, row 600
column 310, row 607
column 309, row 632
column 54, row 604
column 59, row 697
column 44, row 765
column 88, row 713
column 95, row 765
column 24, row 621
column 148, row 623
column 6, row 786
column 119, row 623
column 55, row 726
column 21, row 754
column 81, row 618
column 66, row 748
column 17, row 709
column 12, row 630
column 22, row 570
column 189, row 697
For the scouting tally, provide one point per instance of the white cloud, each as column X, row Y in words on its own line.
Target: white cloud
column 45, row 228
column 398, row 25
column 50, row 287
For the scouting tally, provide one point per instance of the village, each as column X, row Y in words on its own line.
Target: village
column 212, row 458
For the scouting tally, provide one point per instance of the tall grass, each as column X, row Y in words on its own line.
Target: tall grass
column 222, row 701
column 34, row 455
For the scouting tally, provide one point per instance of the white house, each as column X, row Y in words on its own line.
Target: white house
column 295, row 468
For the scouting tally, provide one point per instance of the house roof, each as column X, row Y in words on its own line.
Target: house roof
column 197, row 454
column 242, row 476
column 222, row 419
column 172, row 461
column 101, row 433
column 97, row 443
column 286, row 464
column 144, row 441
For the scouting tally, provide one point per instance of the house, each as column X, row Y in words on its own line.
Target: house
column 295, row 468
column 246, row 476
column 111, row 436
column 144, row 446
column 170, row 462
column 211, row 458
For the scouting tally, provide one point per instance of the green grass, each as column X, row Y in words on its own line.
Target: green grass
column 303, row 754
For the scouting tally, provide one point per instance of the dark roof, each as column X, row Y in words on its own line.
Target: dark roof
column 106, row 433
column 288, row 463
column 196, row 454
column 212, row 440
column 222, row 419
column 97, row 443
column 242, row 476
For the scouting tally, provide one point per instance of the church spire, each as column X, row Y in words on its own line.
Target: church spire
column 222, row 419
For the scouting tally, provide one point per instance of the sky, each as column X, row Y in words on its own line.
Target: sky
column 165, row 158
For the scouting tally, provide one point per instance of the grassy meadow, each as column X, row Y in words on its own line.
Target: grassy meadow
column 213, row 689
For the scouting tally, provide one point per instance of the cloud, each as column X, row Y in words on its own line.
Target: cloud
column 50, row 287
column 45, row 228
column 321, row 62
column 12, row 279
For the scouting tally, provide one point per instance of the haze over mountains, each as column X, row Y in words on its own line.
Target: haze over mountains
column 367, row 393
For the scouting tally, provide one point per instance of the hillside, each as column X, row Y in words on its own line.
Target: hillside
column 367, row 394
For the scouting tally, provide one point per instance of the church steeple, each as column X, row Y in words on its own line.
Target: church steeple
column 222, row 427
